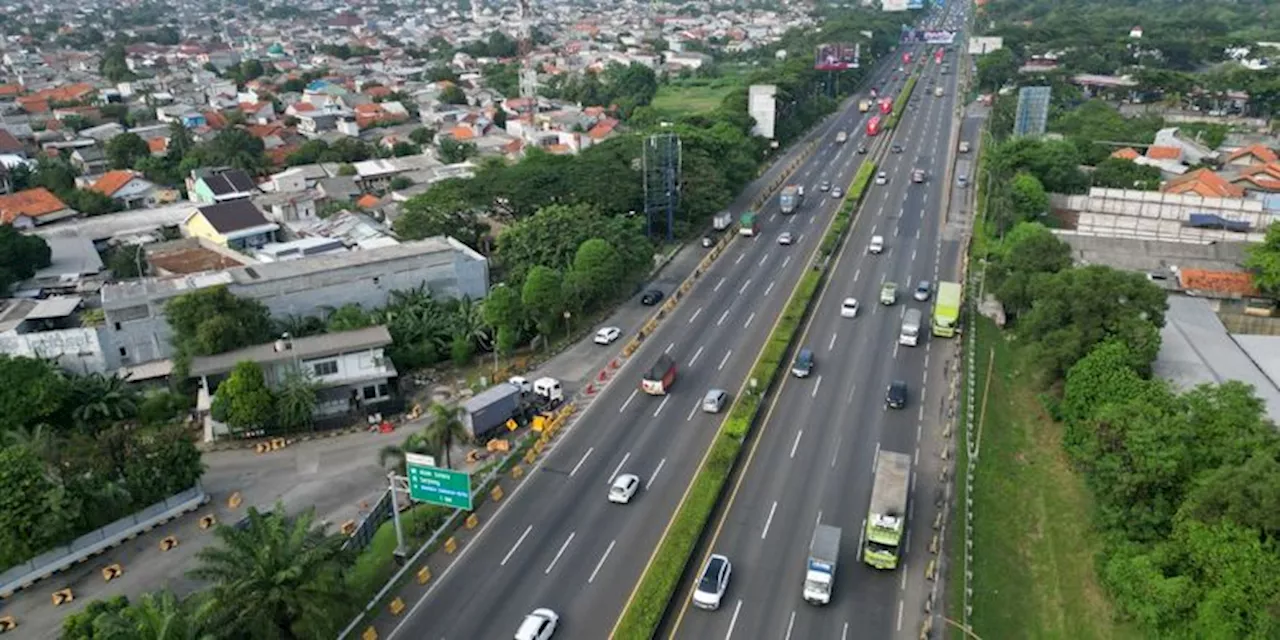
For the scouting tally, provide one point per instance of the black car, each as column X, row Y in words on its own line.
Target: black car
column 862, row 151
column 651, row 297
column 896, row 148
column 896, row 397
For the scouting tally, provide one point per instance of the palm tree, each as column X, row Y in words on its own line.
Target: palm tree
column 296, row 399
column 157, row 616
column 278, row 577
column 473, row 324
column 444, row 429
column 416, row 442
column 102, row 399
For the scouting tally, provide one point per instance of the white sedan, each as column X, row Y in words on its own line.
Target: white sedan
column 624, row 488
column 539, row 625
column 607, row 335
column 785, row 238
column 849, row 308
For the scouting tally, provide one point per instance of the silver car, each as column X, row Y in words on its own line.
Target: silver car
column 715, row 400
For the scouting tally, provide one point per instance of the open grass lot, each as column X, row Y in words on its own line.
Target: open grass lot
column 693, row 95
column 1034, row 549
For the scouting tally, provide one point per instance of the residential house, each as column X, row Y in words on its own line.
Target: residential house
column 1250, row 155
column 10, row 145
column 127, row 187
column 350, row 369
column 219, row 184
column 103, row 132
column 1258, row 178
column 33, row 207
column 289, row 206
column 1204, row 183
column 235, row 224
column 90, row 160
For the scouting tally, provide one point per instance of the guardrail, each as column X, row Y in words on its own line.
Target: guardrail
column 95, row 542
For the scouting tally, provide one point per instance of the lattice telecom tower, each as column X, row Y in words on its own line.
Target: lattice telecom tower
column 528, row 74
column 661, row 165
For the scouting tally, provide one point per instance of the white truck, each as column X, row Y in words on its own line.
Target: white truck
column 820, row 576
column 841, row 137
column 910, row 334
column 722, row 220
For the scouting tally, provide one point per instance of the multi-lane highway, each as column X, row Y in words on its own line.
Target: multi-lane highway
column 557, row 542
column 813, row 458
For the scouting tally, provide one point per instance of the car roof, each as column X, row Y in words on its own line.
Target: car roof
column 898, row 384
column 715, row 393
column 717, row 563
column 530, row 626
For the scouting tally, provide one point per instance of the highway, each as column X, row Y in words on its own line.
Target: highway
column 557, row 542
column 813, row 458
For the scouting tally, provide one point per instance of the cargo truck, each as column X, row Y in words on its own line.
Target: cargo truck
column 790, row 198
column 747, row 224
column 820, row 576
column 864, row 106
column 722, row 220
column 910, row 334
column 937, row 92
column 887, row 516
column 659, row 378
column 946, row 309
column 484, row 414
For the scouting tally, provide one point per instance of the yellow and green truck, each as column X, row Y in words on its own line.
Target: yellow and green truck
column 887, row 517
column 946, row 309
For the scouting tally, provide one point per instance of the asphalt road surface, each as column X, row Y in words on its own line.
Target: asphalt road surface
column 814, row 457
column 558, row 542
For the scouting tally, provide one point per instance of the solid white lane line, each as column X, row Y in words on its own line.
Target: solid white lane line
column 733, row 620
column 560, row 553
column 768, row 288
column 695, row 356
column 744, row 286
column 661, row 405
column 768, row 521
column 654, row 476
column 724, row 360
column 606, row 557
column 845, row 633
column 629, row 399
column 695, row 315
column 816, row 383
column 749, row 319
column 796, row 444
column 717, row 287
column 618, row 468
column 791, row 623
column 584, row 459
column 515, row 546
column 722, row 317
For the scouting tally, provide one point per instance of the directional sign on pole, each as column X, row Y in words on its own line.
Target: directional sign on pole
column 431, row 484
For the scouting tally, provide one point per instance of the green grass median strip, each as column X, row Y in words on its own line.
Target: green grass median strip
column 661, row 579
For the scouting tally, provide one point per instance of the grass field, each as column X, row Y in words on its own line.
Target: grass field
column 694, row 95
column 1034, row 549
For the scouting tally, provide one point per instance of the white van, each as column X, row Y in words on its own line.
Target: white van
column 910, row 334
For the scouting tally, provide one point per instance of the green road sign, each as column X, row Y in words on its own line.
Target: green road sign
column 431, row 484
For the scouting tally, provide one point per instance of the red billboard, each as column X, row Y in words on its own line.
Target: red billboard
column 837, row 57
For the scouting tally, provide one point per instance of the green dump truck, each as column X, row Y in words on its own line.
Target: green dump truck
column 887, row 516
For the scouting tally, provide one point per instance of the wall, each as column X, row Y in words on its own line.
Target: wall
column 1160, row 216
column 1148, row 255
column 197, row 227
column 79, row 350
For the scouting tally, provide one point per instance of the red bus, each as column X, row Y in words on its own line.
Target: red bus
column 886, row 105
column 937, row 56
column 873, row 125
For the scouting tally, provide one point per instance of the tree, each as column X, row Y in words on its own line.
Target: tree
column 113, row 66
column 158, row 616
column 543, row 296
column 83, row 624
column 442, row 210
column 32, row 392
column 551, row 237
column 500, row 116
column 213, row 320
column 444, row 429
column 278, row 575
column 90, row 202
column 243, row 400
column 1029, row 198
column 125, row 262
column 422, row 136
column 1247, row 495
column 231, row 147
column 296, row 400
column 597, row 271
column 452, row 94
column 20, row 256
column 124, row 151
column 996, row 69
column 1027, row 252
column 1107, row 376
column 1262, row 260
column 98, row 400
column 1120, row 173
column 402, row 149
column 453, row 152
column 1075, row 309
column 400, row 183
column 415, row 442
column 35, row 513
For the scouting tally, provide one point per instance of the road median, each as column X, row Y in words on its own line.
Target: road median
column 649, row 600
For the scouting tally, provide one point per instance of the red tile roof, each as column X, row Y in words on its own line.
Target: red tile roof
column 1228, row 282
column 602, row 129
column 367, row 201
column 10, row 144
column 13, row 89
column 1127, row 153
column 1156, row 152
column 215, row 120
column 31, row 203
column 1203, row 182
column 1260, row 153
column 462, row 133
column 158, row 145
column 113, row 181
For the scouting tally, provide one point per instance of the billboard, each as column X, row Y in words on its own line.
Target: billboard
column 762, row 106
column 914, row 36
column 979, row 45
column 893, row 5
column 1033, row 111
column 837, row 57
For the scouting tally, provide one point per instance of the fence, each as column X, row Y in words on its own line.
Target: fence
column 90, row 544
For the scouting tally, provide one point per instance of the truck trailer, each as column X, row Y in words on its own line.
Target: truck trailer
column 946, row 309
column 887, row 516
column 659, row 378
column 820, row 576
column 484, row 414
column 790, row 198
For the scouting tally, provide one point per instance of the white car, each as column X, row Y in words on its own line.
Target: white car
column 837, row 192
column 882, row 178
column 877, row 244
column 849, row 308
column 785, row 238
column 712, row 583
column 539, row 625
column 624, row 488
column 607, row 335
